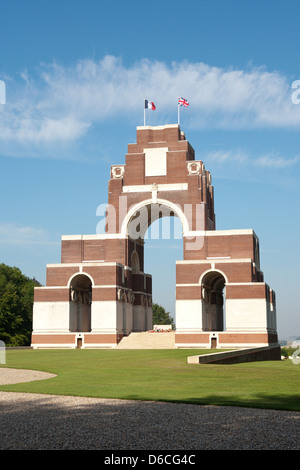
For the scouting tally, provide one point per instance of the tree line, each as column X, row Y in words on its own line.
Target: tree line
column 16, row 304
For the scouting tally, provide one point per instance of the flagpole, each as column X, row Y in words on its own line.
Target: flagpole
column 178, row 114
column 144, row 114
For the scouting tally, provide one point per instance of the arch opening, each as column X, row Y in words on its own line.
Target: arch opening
column 144, row 217
column 213, row 301
column 80, row 303
column 162, row 241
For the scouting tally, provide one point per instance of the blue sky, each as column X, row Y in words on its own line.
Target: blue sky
column 76, row 74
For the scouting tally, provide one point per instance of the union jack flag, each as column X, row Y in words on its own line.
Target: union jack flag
column 183, row 102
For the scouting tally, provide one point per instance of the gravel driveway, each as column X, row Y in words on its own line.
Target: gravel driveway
column 48, row 422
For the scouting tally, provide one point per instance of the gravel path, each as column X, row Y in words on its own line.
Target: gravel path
column 48, row 422
column 15, row 376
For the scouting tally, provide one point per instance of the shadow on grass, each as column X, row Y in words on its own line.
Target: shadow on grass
column 29, row 421
column 271, row 402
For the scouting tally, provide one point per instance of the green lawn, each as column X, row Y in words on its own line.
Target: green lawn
column 159, row 375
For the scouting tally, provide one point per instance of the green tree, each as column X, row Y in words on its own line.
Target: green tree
column 161, row 317
column 16, row 303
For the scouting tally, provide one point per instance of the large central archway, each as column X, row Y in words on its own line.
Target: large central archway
column 163, row 247
column 156, row 232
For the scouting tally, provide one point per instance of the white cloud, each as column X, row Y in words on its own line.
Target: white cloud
column 14, row 234
column 240, row 158
column 276, row 162
column 44, row 129
column 61, row 104
column 227, row 156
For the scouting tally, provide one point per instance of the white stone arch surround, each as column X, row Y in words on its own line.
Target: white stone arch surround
column 82, row 274
column 212, row 270
column 148, row 202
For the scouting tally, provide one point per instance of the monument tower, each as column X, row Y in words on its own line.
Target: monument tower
column 100, row 292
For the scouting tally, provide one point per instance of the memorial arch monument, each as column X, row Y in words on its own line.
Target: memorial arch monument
column 99, row 293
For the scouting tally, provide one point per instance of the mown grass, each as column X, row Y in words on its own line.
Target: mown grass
column 160, row 375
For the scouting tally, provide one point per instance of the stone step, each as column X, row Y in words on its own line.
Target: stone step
column 148, row 340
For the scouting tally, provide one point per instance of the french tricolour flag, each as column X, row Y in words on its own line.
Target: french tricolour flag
column 149, row 105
